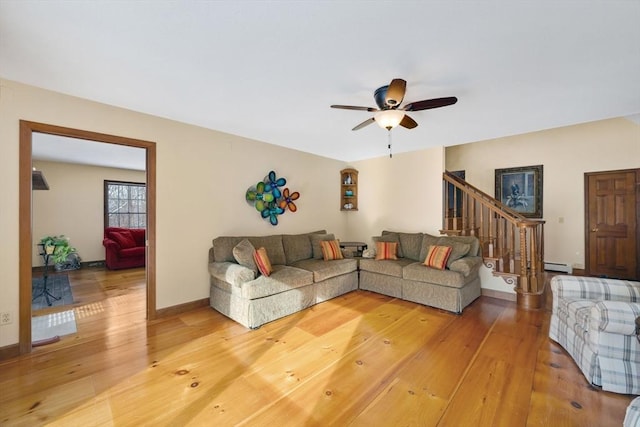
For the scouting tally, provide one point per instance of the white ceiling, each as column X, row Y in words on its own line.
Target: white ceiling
column 269, row 70
column 56, row 148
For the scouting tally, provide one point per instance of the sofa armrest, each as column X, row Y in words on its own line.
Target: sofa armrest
column 110, row 244
column 466, row 265
column 595, row 288
column 614, row 317
column 230, row 272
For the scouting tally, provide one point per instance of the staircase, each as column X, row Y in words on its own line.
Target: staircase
column 512, row 245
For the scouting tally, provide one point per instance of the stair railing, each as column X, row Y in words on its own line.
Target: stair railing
column 513, row 245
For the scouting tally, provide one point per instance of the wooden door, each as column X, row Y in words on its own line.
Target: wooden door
column 612, row 217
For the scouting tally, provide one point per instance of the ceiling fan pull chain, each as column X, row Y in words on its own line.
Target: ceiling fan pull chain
column 389, row 138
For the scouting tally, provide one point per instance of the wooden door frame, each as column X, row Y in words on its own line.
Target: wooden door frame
column 587, row 231
column 25, row 215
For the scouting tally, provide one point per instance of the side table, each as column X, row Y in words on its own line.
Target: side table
column 359, row 246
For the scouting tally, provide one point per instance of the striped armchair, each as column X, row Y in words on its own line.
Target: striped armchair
column 594, row 320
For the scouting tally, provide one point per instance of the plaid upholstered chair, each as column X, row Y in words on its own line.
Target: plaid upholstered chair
column 594, row 320
column 632, row 415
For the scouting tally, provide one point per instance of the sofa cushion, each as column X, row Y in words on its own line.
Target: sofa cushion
column 386, row 267
column 315, row 243
column 282, row 279
column 386, row 250
column 390, row 236
column 123, row 238
column 458, row 248
column 578, row 310
column 437, row 257
column 466, row 265
column 231, row 273
column 427, row 240
column 420, row 273
column 140, row 236
column 473, row 242
column 331, row 250
column 223, row 247
column 411, row 244
column 243, row 253
column 273, row 246
column 262, row 261
column 323, row 270
column 298, row 246
column 132, row 252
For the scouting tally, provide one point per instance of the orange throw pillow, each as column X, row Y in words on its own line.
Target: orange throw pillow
column 437, row 257
column 386, row 250
column 331, row 249
column 262, row 261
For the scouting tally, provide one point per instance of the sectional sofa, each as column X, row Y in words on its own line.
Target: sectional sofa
column 300, row 277
column 406, row 277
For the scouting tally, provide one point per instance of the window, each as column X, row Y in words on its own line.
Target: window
column 125, row 204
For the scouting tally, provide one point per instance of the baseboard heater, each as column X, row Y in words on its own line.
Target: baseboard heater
column 556, row 266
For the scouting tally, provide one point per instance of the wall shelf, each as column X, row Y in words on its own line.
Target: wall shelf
column 349, row 190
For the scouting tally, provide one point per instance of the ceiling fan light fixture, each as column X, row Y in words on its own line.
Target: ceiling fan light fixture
column 388, row 119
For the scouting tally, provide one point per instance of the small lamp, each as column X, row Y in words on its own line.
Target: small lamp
column 388, row 119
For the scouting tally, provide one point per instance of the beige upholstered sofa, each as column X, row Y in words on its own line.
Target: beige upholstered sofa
column 300, row 277
column 452, row 288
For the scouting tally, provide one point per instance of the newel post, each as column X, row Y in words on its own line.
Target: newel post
column 530, row 290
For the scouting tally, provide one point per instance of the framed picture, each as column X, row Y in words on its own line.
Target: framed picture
column 521, row 189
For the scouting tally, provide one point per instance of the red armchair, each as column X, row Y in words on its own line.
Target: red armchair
column 124, row 247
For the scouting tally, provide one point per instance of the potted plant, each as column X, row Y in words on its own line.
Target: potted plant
column 64, row 255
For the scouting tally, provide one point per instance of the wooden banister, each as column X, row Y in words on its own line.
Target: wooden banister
column 512, row 244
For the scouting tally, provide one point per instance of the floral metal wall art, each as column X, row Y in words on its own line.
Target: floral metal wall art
column 268, row 199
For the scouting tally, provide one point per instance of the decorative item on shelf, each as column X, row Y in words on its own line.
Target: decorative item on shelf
column 269, row 200
column 348, row 180
column 348, row 193
column 348, row 206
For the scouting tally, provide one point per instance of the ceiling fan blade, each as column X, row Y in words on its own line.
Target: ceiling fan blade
column 352, row 107
column 365, row 123
column 430, row 103
column 395, row 93
column 408, row 122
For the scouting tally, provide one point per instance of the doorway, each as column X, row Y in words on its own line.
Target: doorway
column 612, row 223
column 25, row 211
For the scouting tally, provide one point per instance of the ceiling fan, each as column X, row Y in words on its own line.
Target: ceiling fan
column 389, row 114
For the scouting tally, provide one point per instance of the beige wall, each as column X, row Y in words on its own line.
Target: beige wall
column 403, row 193
column 202, row 176
column 566, row 154
column 74, row 205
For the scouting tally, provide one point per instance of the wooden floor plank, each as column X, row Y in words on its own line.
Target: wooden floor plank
column 431, row 381
column 345, row 387
column 568, row 399
column 401, row 403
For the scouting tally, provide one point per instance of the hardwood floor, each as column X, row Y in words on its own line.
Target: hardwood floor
column 362, row 359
